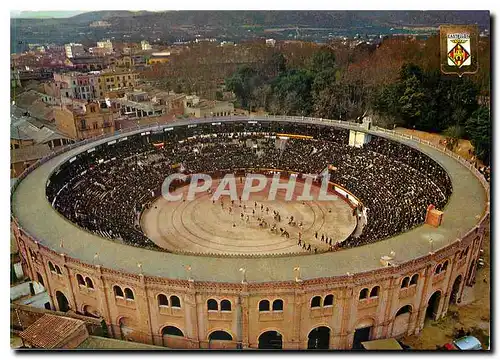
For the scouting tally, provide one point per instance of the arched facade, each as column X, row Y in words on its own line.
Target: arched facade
column 141, row 317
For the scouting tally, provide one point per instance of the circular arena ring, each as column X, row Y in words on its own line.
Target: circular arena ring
column 181, row 275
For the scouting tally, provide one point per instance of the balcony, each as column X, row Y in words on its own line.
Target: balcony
column 87, row 291
column 271, row 316
column 318, row 312
column 368, row 303
column 220, row 315
column 170, row 311
column 408, row 291
column 439, row 277
column 128, row 303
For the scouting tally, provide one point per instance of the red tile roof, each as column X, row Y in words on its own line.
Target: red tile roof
column 50, row 331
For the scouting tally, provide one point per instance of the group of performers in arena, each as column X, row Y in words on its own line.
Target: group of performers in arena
column 264, row 216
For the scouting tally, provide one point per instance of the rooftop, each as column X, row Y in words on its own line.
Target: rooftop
column 25, row 127
column 29, row 153
column 50, row 331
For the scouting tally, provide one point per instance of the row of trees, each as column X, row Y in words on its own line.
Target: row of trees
column 418, row 98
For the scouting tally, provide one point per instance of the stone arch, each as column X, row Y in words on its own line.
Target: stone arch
column 62, row 301
column 454, row 294
column 212, row 305
column 402, row 321
column 264, row 305
column 162, row 299
column 471, row 272
column 363, row 331
column 319, row 337
column 171, row 330
column 220, row 334
column 414, row 279
column 316, row 301
column 89, row 310
column 433, row 305
column 126, row 326
column 270, row 339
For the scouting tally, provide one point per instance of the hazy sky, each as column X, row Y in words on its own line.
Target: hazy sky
column 44, row 14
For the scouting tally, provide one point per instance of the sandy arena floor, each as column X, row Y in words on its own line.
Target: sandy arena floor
column 201, row 226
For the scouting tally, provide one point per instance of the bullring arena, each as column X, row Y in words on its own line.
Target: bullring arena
column 80, row 217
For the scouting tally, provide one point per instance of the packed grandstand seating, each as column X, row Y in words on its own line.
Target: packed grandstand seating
column 105, row 189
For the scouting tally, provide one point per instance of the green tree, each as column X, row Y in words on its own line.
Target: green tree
column 478, row 128
column 453, row 134
column 412, row 101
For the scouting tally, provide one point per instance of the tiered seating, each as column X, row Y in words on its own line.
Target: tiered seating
column 104, row 190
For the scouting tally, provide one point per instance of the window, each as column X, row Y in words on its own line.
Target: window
column 51, row 267
column 171, row 330
column 212, row 305
column 328, row 300
column 175, row 301
column 404, row 310
column 316, row 301
column 264, row 305
column 445, row 265
column 375, row 291
column 83, row 123
column 79, row 279
column 405, row 282
column 94, row 125
column 162, row 300
column 225, row 305
column 92, row 109
column 118, row 291
column 89, row 283
column 438, row 269
column 129, row 294
column 414, row 279
column 39, row 278
column 278, row 305
column 363, row 294
column 58, row 270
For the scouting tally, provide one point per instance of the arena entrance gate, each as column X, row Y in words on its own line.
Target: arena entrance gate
column 319, row 338
column 433, row 306
column 361, row 335
column 454, row 299
column 62, row 302
column 270, row 340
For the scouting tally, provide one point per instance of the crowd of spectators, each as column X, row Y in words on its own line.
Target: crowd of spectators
column 105, row 189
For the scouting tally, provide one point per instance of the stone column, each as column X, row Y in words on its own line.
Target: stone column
column 245, row 331
column 148, row 307
column 424, row 298
column 451, row 281
column 191, row 313
column 69, row 284
column 295, row 338
column 349, row 302
column 392, row 296
column 103, row 296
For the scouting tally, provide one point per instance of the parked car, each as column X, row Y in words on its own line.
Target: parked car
column 464, row 343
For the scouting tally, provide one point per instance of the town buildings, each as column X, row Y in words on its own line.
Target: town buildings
column 87, row 120
column 74, row 50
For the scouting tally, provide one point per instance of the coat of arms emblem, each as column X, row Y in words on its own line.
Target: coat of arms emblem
column 458, row 49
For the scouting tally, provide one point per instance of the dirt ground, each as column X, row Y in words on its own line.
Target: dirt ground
column 473, row 314
column 464, row 148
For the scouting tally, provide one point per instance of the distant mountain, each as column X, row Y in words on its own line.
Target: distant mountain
column 171, row 26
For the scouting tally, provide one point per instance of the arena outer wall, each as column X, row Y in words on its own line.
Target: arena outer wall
column 142, row 319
